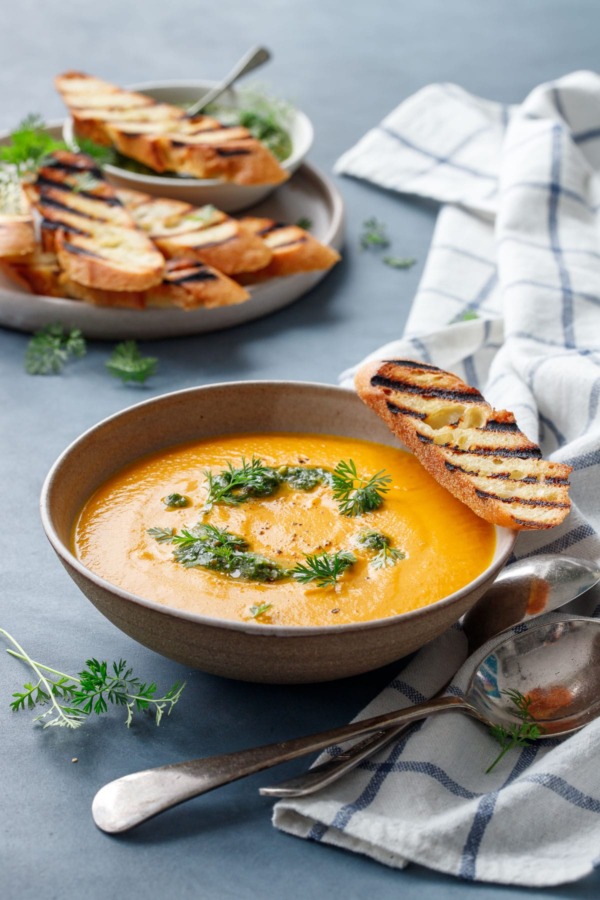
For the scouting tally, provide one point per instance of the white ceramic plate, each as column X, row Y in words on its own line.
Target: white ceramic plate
column 307, row 194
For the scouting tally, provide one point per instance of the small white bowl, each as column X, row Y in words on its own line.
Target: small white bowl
column 222, row 194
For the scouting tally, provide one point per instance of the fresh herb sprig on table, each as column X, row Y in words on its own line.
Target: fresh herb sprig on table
column 374, row 236
column 72, row 698
column 323, row 568
column 128, row 364
column 356, row 495
column 51, row 347
column 516, row 735
column 399, row 262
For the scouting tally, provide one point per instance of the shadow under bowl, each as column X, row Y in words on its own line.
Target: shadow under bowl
column 243, row 650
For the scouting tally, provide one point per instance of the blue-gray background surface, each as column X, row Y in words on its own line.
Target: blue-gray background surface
column 346, row 64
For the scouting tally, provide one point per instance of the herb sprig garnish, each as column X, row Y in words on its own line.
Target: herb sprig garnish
column 176, row 501
column 29, row 145
column 374, row 237
column 72, row 698
column 259, row 610
column 128, row 364
column 234, row 486
column 516, row 735
column 51, row 347
column 355, row 495
column 323, row 568
column 209, row 547
column 386, row 555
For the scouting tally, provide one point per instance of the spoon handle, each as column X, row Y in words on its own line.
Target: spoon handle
column 331, row 770
column 251, row 60
column 128, row 801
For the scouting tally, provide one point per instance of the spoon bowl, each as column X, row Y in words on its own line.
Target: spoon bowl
column 522, row 591
column 554, row 665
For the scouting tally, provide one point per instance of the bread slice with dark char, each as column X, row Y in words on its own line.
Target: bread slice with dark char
column 478, row 453
column 83, row 221
column 162, row 136
column 293, row 249
column 204, row 233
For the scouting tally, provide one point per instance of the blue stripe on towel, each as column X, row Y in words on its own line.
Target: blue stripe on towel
column 411, row 693
column 565, row 790
column 485, row 813
column 562, row 543
column 555, row 194
column 442, row 160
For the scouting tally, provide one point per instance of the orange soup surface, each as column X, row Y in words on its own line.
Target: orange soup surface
column 442, row 544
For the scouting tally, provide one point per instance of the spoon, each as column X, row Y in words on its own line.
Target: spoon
column 556, row 664
column 251, row 60
column 522, row 591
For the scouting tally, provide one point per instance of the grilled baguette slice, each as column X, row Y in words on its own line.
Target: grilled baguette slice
column 205, row 233
column 97, row 241
column 38, row 271
column 294, row 250
column 190, row 284
column 186, row 284
column 477, row 453
column 162, row 137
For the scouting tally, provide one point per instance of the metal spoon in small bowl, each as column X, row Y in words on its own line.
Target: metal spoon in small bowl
column 556, row 664
column 249, row 61
column 521, row 592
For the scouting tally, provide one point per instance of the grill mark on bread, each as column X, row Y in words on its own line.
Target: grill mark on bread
column 238, row 151
column 80, row 251
column 526, row 501
column 74, row 168
column 476, row 452
column 52, row 225
column 404, row 410
column 394, row 384
column 201, row 274
column 495, row 425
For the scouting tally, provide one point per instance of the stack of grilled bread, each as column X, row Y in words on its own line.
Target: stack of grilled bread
column 128, row 249
column 477, row 453
column 162, row 136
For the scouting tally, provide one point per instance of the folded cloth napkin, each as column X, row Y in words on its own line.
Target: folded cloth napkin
column 510, row 301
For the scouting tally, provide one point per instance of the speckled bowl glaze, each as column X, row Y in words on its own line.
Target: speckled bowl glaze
column 245, row 650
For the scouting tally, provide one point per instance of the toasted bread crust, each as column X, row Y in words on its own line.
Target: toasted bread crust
column 205, row 234
column 293, row 249
column 162, row 137
column 477, row 453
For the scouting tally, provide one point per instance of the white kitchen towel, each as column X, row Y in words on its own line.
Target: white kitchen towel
column 510, row 301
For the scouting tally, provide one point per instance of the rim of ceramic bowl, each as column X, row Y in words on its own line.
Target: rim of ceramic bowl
column 214, row 621
column 299, row 151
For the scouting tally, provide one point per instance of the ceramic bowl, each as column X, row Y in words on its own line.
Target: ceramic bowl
column 242, row 650
column 224, row 195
